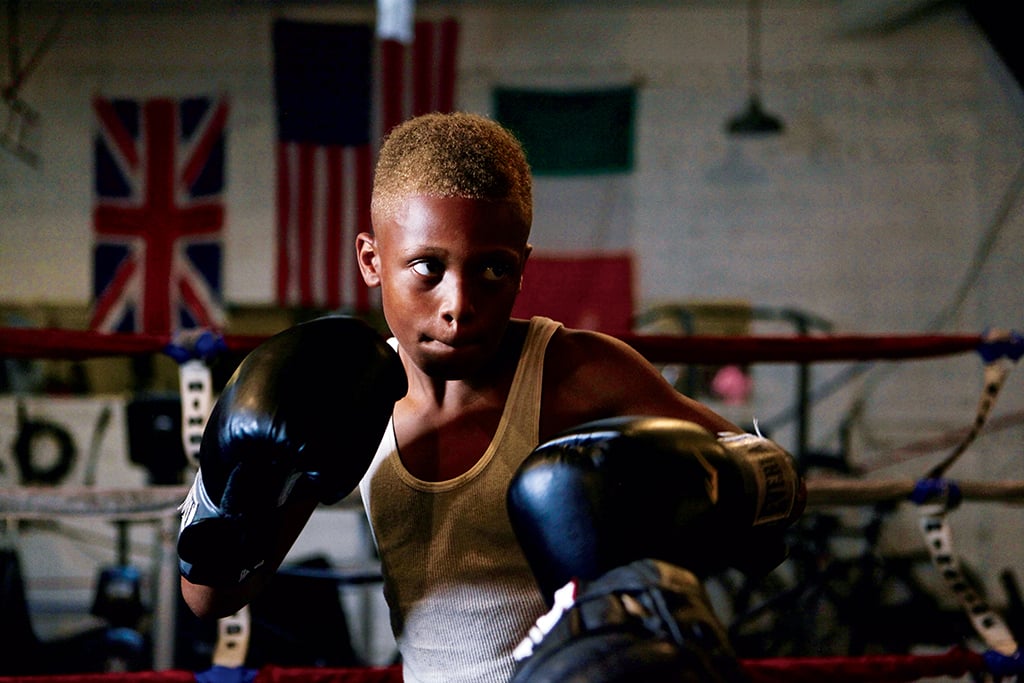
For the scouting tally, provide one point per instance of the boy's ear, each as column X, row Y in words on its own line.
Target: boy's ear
column 526, row 257
column 369, row 263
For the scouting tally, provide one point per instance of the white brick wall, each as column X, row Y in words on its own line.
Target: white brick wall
column 899, row 153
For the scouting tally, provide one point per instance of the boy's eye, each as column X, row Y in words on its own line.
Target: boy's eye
column 426, row 268
column 497, row 271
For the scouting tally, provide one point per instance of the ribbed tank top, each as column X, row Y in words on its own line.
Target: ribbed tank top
column 460, row 592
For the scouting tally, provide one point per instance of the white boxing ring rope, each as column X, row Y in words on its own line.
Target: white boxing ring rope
column 151, row 503
column 143, row 504
column 824, row 492
column 158, row 504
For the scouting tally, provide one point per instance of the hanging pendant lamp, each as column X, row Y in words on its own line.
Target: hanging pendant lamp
column 754, row 120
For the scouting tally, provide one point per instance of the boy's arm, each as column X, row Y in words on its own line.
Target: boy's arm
column 589, row 376
column 220, row 601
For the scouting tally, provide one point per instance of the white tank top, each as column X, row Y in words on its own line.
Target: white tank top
column 459, row 589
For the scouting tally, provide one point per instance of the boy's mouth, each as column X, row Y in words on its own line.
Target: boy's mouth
column 456, row 342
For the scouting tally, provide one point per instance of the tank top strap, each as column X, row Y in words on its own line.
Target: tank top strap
column 522, row 408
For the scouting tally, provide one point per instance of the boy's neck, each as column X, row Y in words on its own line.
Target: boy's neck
column 444, row 426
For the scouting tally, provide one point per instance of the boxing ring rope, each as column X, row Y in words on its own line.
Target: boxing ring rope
column 823, row 492
column 52, row 343
column 876, row 669
column 148, row 503
column 160, row 503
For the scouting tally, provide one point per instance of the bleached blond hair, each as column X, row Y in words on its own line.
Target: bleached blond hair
column 452, row 155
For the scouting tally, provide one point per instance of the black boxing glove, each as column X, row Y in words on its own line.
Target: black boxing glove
column 610, row 492
column 646, row 621
column 762, row 546
column 305, row 409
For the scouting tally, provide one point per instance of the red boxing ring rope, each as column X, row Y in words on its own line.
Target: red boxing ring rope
column 16, row 342
column 714, row 350
column 875, row 668
column 54, row 344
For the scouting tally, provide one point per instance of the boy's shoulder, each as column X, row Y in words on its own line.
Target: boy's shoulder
column 587, row 375
column 567, row 345
column 576, row 346
column 579, row 360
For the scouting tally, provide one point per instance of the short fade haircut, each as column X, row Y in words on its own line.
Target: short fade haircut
column 452, row 155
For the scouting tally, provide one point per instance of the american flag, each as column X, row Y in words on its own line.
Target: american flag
column 158, row 216
column 338, row 90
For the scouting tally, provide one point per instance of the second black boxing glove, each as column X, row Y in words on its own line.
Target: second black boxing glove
column 610, row 492
column 306, row 408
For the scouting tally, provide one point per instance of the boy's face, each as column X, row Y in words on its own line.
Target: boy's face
column 449, row 270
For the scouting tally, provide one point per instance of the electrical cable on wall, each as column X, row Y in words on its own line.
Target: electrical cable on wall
column 31, row 433
column 982, row 253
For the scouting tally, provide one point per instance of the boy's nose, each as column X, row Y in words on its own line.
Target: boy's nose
column 457, row 303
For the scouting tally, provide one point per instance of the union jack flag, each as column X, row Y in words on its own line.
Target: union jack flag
column 158, row 216
column 338, row 90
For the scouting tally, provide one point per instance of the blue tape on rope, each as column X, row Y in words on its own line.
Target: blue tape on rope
column 224, row 674
column 204, row 346
column 936, row 489
column 1004, row 665
column 1011, row 347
